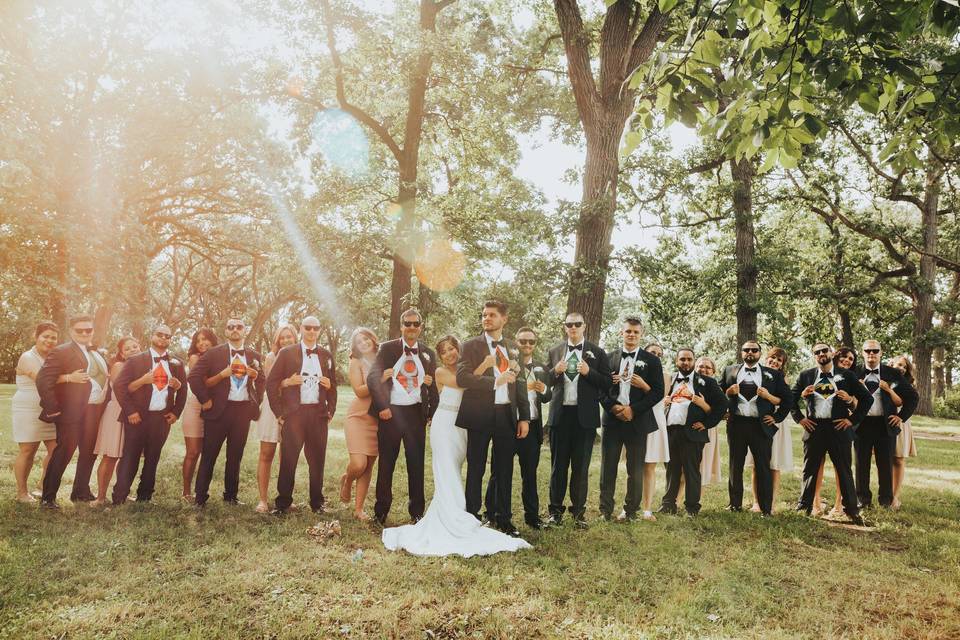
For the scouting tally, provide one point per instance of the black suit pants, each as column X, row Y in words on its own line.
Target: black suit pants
column 747, row 433
column 504, row 439
column 232, row 426
column 614, row 439
column 69, row 434
column 685, row 457
column 306, row 430
column 406, row 427
column 826, row 439
column 571, row 447
column 144, row 439
column 873, row 439
column 528, row 455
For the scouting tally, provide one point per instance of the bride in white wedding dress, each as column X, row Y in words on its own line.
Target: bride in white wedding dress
column 447, row 528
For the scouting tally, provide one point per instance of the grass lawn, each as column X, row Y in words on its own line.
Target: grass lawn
column 167, row 570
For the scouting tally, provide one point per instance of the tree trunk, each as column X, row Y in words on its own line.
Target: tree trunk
column 923, row 289
column 745, row 251
column 941, row 357
column 846, row 329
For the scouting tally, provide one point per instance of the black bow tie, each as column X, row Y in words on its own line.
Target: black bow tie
column 496, row 343
column 683, row 379
column 575, row 347
column 238, row 352
column 624, row 355
column 874, row 371
column 750, row 369
column 410, row 351
column 163, row 357
column 315, row 351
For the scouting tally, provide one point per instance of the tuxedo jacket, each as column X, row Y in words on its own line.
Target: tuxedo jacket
column 285, row 401
column 648, row 367
column 902, row 388
column 771, row 380
column 215, row 360
column 541, row 376
column 848, row 382
column 139, row 400
column 387, row 356
column 711, row 392
column 592, row 389
column 68, row 399
column 478, row 406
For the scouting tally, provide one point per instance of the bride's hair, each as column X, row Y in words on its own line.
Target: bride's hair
column 447, row 339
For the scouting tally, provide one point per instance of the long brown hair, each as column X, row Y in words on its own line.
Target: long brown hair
column 362, row 331
column 275, row 345
column 202, row 332
column 908, row 374
column 118, row 354
column 777, row 352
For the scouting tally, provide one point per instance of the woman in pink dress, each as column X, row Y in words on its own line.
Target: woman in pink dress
column 906, row 445
column 110, row 436
column 360, row 430
column 268, row 430
column 192, row 423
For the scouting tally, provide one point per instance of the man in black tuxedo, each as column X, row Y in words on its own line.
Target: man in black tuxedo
column 147, row 412
column 580, row 381
column 227, row 382
column 534, row 378
column 302, row 392
column 494, row 408
column 70, row 383
column 753, row 422
column 637, row 386
column 695, row 403
column 826, row 393
column 404, row 397
column 877, row 434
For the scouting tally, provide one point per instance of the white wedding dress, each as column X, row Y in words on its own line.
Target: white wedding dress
column 446, row 528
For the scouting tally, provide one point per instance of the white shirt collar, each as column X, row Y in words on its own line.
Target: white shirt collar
column 154, row 354
column 829, row 373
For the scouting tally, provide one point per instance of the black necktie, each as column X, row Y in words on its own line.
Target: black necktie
column 624, row 355
column 575, row 347
column 238, row 352
column 157, row 359
column 315, row 351
column 410, row 351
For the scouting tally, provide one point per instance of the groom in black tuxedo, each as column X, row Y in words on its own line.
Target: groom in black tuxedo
column 148, row 412
column 404, row 397
column 580, row 377
column 494, row 407
column 826, row 393
column 227, row 407
column 753, row 422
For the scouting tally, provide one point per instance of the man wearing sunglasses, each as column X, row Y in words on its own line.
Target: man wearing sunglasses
column 826, row 393
column 71, row 383
column 877, row 434
column 302, row 391
column 580, row 381
column 758, row 398
column 152, row 391
column 404, row 397
column 226, row 381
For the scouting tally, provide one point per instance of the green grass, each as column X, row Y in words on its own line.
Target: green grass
column 166, row 570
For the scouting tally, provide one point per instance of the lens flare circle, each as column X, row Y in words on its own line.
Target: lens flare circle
column 440, row 265
column 340, row 139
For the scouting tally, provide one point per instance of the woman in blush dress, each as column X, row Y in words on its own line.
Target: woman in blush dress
column 658, row 448
column 447, row 528
column 28, row 430
column 110, row 436
column 781, row 456
column 710, row 463
column 906, row 445
column 268, row 430
column 360, row 430
column 192, row 423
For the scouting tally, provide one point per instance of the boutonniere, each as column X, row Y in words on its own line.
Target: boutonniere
column 894, row 385
column 768, row 375
column 329, row 363
column 641, row 365
column 426, row 356
column 538, row 369
column 837, row 378
column 175, row 361
column 700, row 381
column 589, row 355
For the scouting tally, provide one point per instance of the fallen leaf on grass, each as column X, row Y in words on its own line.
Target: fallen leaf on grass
column 323, row 530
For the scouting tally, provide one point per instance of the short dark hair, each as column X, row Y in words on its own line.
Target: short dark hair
column 527, row 330
column 754, row 341
column 633, row 320
column 501, row 307
column 447, row 339
column 682, row 349
column 118, row 354
column 75, row 320
column 45, row 326
column 412, row 311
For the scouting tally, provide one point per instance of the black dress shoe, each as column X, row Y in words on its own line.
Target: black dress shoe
column 535, row 524
column 235, row 502
column 554, row 520
column 858, row 520
column 606, row 516
column 49, row 504
column 734, row 509
column 416, row 519
column 626, row 517
column 580, row 522
column 670, row 511
column 509, row 528
column 278, row 512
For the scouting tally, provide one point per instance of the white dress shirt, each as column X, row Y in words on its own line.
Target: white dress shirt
column 158, row 395
column 98, row 392
column 626, row 365
column 823, row 407
column 310, row 372
column 748, row 408
column 238, row 385
column 501, row 394
column 532, row 393
column 679, row 405
column 876, row 409
column 405, row 390
column 570, row 386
